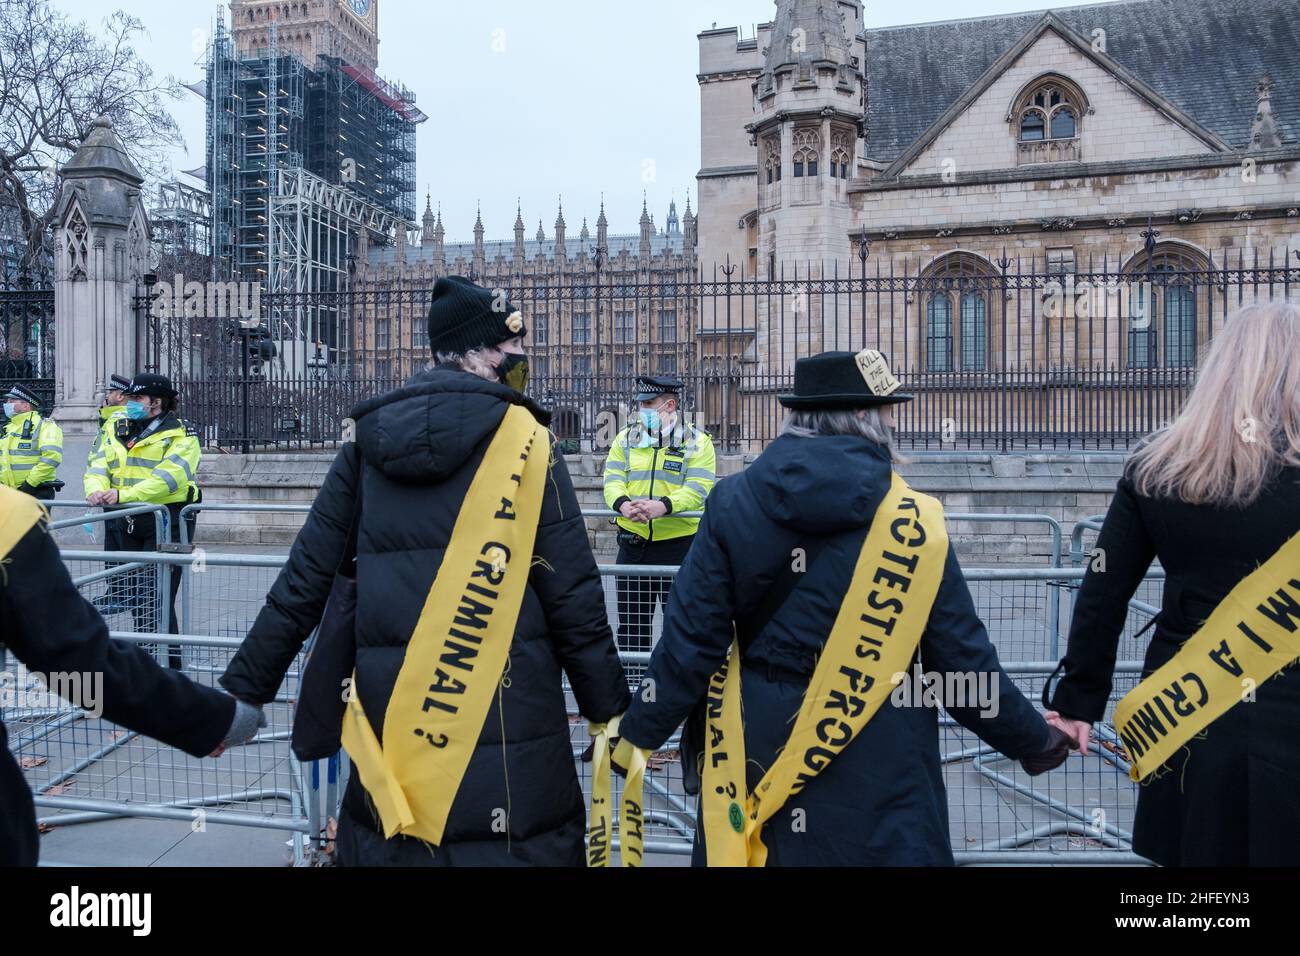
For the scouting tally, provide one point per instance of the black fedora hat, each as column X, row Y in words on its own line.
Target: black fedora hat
column 844, row 380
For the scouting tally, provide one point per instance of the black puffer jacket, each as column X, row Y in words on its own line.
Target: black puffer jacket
column 417, row 449
column 882, row 800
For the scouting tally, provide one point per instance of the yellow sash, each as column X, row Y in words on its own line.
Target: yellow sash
column 457, row 654
column 631, row 834
column 875, row 634
column 18, row 513
column 1249, row 637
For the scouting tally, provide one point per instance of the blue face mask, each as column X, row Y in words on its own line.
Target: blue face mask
column 136, row 411
column 650, row 420
column 11, row 410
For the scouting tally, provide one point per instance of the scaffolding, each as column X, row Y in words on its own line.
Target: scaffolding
column 312, row 225
column 181, row 221
column 301, row 156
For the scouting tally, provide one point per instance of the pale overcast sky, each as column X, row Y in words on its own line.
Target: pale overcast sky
column 584, row 93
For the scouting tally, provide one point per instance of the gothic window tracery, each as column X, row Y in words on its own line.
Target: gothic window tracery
column 841, row 151
column 76, row 243
column 1050, row 112
column 805, row 153
column 772, row 160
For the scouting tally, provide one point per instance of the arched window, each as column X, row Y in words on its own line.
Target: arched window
column 1163, row 308
column 958, row 292
column 772, row 160
column 974, row 331
column 841, row 151
column 1046, row 118
column 1031, row 126
column 805, row 153
column 1049, row 109
column 1064, row 124
column 938, row 333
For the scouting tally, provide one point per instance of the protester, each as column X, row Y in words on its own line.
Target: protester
column 465, row 622
column 834, row 575
column 1215, row 498
column 51, row 629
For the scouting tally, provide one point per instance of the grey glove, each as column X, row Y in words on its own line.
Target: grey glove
column 248, row 719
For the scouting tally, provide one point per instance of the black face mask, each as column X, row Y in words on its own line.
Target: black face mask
column 513, row 370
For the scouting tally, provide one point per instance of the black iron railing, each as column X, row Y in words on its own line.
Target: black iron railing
column 1000, row 354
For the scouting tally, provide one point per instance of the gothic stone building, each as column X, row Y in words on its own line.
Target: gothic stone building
column 600, row 309
column 1134, row 138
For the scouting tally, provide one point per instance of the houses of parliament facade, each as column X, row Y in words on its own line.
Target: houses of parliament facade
column 917, row 189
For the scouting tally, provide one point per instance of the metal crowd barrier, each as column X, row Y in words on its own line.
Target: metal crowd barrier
column 1032, row 612
column 85, row 769
column 1143, row 606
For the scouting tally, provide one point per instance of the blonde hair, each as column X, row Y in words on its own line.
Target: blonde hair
column 1241, row 424
column 472, row 361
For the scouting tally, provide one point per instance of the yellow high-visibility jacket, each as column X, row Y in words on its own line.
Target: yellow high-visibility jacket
column 160, row 467
column 109, row 416
column 680, row 474
column 31, row 449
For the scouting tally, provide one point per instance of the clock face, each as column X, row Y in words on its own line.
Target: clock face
column 359, row 7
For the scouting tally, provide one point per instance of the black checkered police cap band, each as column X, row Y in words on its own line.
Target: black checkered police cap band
column 151, row 385
column 117, row 383
column 650, row 387
column 21, row 393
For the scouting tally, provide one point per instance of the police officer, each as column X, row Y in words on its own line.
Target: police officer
column 658, row 467
column 151, row 457
column 116, row 599
column 31, row 447
column 114, row 406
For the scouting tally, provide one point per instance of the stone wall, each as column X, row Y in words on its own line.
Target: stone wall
column 1064, row 486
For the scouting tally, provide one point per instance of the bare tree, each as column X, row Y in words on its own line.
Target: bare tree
column 56, row 78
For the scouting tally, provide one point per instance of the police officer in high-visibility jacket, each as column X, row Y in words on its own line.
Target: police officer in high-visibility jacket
column 116, row 598
column 31, row 446
column 151, row 457
column 657, row 467
column 113, row 409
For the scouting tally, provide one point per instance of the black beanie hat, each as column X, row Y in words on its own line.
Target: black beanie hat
column 465, row 316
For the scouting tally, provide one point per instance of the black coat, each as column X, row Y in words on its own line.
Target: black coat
column 417, row 449
column 1232, row 798
column 882, row 800
column 50, row 628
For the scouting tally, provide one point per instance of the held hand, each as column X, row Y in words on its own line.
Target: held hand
column 630, row 510
column 1077, row 730
column 1058, row 748
column 94, row 498
column 108, row 497
column 653, row 509
column 620, row 755
column 248, row 719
